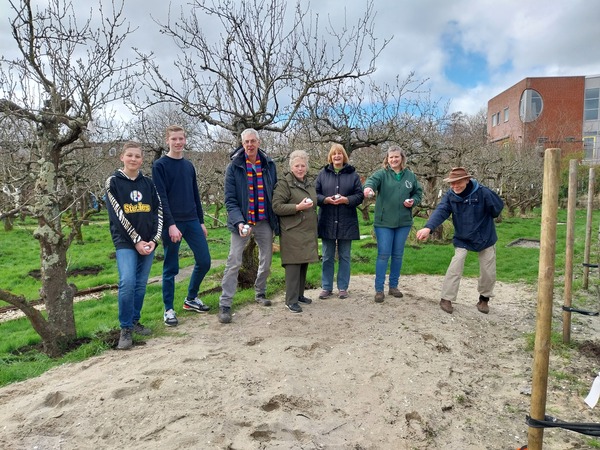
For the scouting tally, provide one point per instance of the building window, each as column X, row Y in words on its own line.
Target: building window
column 494, row 120
column 506, row 114
column 589, row 147
column 531, row 105
column 591, row 104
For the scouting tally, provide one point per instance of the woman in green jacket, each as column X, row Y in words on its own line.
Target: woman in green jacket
column 295, row 202
column 398, row 191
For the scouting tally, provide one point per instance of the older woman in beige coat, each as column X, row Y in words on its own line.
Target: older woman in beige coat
column 295, row 202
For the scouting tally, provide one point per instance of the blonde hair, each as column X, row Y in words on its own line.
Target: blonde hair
column 131, row 144
column 174, row 129
column 334, row 149
column 395, row 149
column 298, row 154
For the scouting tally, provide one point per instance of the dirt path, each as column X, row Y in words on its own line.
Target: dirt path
column 344, row 374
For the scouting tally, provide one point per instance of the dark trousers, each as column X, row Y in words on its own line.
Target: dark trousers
column 295, row 279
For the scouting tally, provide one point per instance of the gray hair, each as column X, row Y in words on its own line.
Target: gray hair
column 248, row 131
column 298, row 154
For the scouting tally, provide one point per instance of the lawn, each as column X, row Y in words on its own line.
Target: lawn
column 92, row 263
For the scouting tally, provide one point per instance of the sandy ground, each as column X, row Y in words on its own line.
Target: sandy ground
column 344, row 374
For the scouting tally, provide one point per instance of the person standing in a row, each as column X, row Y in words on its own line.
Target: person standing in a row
column 473, row 208
column 135, row 216
column 398, row 191
column 294, row 201
column 175, row 180
column 249, row 182
column 339, row 192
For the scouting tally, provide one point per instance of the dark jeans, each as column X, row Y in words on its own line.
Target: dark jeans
column 194, row 236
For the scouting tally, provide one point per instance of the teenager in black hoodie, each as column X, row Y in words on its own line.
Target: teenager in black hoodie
column 135, row 215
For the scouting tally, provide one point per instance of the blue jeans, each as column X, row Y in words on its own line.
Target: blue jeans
column 194, row 236
column 133, row 278
column 390, row 242
column 344, row 247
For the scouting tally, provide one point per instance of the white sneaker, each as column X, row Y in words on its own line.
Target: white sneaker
column 170, row 318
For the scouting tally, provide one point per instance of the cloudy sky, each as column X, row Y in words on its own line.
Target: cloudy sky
column 469, row 50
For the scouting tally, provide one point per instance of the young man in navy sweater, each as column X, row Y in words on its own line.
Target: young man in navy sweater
column 175, row 180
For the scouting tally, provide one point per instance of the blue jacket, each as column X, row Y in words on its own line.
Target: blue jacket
column 236, row 189
column 473, row 217
column 339, row 221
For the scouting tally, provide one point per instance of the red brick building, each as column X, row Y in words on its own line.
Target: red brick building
column 548, row 112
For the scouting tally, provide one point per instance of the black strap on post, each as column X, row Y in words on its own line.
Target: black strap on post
column 589, row 429
column 580, row 311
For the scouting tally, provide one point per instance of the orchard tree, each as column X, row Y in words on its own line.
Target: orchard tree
column 67, row 70
column 261, row 66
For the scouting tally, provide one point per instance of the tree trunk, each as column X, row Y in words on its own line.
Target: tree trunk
column 249, row 269
column 8, row 224
column 56, row 292
column 59, row 329
column 364, row 210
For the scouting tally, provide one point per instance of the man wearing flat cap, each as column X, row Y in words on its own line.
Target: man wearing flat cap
column 473, row 208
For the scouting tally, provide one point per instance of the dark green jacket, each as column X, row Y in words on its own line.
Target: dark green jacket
column 391, row 193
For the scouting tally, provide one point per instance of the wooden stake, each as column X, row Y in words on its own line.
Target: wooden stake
column 588, row 229
column 545, row 293
column 571, row 207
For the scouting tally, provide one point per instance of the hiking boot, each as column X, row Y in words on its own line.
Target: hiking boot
column 446, row 305
column 325, row 294
column 140, row 329
column 195, row 305
column 395, row 292
column 482, row 304
column 170, row 318
column 305, row 300
column 379, row 296
column 294, row 307
column 125, row 340
column 261, row 299
column 225, row 314
column 343, row 294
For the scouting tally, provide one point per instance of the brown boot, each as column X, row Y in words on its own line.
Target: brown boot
column 446, row 305
column 379, row 296
column 482, row 304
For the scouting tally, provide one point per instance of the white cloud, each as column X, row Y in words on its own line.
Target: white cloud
column 517, row 39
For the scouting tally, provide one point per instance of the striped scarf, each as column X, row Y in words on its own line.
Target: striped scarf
column 256, row 197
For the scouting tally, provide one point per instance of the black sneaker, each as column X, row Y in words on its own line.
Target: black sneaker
column 305, row 300
column 261, row 299
column 125, row 340
column 195, row 305
column 140, row 329
column 225, row 314
column 294, row 307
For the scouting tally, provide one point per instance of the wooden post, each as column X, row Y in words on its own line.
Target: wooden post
column 571, row 207
column 543, row 327
column 588, row 229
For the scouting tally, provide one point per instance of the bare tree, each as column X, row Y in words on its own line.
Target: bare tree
column 263, row 67
column 66, row 72
column 360, row 113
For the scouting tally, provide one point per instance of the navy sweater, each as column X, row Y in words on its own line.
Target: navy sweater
column 175, row 181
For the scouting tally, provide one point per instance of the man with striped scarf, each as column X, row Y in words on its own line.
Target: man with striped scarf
column 249, row 182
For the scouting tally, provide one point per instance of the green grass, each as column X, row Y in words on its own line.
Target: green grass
column 20, row 255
